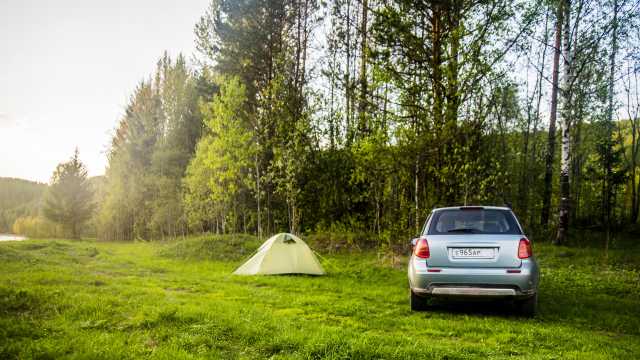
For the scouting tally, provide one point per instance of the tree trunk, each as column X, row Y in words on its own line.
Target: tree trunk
column 259, row 213
column 416, row 198
column 438, row 94
column 298, row 44
column 453, row 91
column 534, row 135
column 609, row 127
column 436, row 61
column 633, row 117
column 293, row 221
column 347, row 85
column 363, row 127
column 332, row 125
column 269, row 220
column 634, row 184
column 551, row 139
column 565, row 190
column 305, row 39
column 524, row 172
column 576, row 164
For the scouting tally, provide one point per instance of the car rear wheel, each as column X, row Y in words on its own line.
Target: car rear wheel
column 529, row 307
column 418, row 303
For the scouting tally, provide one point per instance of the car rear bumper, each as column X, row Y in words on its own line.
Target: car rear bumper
column 473, row 292
column 474, row 282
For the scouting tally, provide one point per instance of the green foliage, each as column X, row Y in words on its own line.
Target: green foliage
column 38, row 227
column 150, row 151
column 328, row 190
column 434, row 105
column 373, row 171
column 291, row 149
column 122, row 300
column 218, row 173
column 69, row 198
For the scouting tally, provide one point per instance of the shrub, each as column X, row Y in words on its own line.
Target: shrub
column 37, row 227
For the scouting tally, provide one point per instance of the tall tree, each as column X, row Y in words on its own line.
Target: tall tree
column 69, row 198
column 149, row 153
column 219, row 172
column 125, row 213
column 363, row 126
column 180, row 129
column 553, row 113
column 608, row 163
column 565, row 200
column 632, row 132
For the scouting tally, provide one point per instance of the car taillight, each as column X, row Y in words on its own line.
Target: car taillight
column 524, row 249
column 421, row 249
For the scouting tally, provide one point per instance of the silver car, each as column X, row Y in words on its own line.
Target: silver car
column 473, row 252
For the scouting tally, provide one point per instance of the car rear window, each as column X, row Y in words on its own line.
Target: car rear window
column 473, row 221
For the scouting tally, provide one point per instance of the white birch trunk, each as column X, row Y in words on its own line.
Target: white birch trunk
column 563, row 216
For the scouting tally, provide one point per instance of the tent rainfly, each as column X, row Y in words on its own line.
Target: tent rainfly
column 282, row 254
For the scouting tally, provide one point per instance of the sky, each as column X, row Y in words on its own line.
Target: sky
column 67, row 69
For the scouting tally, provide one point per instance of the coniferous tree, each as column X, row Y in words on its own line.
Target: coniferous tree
column 69, row 198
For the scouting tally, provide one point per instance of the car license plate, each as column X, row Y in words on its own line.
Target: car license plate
column 472, row 253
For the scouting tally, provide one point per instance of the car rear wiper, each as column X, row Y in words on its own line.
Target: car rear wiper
column 465, row 230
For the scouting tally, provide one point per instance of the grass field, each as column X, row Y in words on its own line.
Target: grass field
column 179, row 300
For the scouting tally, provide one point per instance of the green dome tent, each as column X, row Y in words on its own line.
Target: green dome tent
column 282, row 254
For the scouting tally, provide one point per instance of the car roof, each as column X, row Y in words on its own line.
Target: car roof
column 472, row 206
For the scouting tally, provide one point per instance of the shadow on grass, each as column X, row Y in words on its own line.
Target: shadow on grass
column 458, row 306
column 589, row 309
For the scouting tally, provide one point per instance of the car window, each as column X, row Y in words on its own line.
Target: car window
column 473, row 221
column 424, row 226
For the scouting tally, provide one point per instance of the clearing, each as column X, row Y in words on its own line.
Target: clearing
column 83, row 299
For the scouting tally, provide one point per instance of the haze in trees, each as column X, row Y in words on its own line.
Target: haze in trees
column 68, row 200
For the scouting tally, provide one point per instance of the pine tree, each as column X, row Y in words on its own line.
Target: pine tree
column 69, row 198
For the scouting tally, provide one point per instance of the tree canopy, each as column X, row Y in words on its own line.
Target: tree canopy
column 362, row 115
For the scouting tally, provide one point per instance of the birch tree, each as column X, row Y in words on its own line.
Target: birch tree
column 553, row 113
column 565, row 201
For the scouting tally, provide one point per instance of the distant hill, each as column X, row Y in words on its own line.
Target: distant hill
column 18, row 197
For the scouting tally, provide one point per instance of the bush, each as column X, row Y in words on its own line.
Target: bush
column 37, row 227
column 333, row 241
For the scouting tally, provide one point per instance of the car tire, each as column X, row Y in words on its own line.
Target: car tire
column 529, row 306
column 418, row 303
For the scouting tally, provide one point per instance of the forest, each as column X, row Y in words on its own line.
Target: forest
column 360, row 116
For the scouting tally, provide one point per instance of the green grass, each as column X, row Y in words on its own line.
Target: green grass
column 65, row 299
